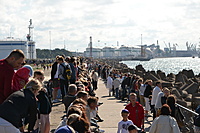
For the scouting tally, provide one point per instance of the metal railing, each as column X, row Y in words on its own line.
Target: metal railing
column 187, row 109
column 188, row 119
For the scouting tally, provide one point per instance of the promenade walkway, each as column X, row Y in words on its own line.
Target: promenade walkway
column 110, row 111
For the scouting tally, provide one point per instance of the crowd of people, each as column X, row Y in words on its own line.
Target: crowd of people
column 26, row 102
column 145, row 99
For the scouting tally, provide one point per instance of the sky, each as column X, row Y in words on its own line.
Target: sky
column 70, row 23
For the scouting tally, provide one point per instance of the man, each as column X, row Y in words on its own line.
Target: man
column 95, row 77
column 64, row 83
column 155, row 92
column 7, row 66
column 126, row 86
column 70, row 97
column 136, row 111
column 73, row 69
column 54, row 79
column 147, row 93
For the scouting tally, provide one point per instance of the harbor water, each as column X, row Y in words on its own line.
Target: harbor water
column 168, row 65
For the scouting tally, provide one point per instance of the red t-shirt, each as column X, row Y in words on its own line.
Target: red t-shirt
column 136, row 114
column 6, row 75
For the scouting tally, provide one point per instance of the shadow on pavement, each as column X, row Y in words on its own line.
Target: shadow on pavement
column 105, row 96
column 57, row 104
column 112, row 98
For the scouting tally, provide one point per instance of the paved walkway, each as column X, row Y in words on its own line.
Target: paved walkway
column 110, row 111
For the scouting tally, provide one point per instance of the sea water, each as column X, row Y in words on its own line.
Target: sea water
column 168, row 65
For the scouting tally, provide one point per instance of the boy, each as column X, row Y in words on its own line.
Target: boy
column 136, row 111
column 44, row 106
column 125, row 122
column 91, row 109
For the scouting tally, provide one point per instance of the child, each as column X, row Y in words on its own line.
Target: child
column 44, row 106
column 20, row 78
column 125, row 123
column 91, row 109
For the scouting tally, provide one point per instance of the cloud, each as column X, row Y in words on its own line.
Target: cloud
column 109, row 21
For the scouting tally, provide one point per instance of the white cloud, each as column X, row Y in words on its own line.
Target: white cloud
column 109, row 21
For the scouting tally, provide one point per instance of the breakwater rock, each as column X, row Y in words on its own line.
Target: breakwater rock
column 185, row 85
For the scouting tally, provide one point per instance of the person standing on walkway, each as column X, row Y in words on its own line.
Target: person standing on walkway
column 147, row 93
column 64, row 83
column 155, row 92
column 125, row 122
column 95, row 77
column 44, row 105
column 116, row 84
column 164, row 123
column 7, row 66
column 136, row 111
column 73, row 69
column 109, row 84
column 141, row 88
column 54, row 79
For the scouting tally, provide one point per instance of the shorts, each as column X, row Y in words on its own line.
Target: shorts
column 147, row 105
column 56, row 83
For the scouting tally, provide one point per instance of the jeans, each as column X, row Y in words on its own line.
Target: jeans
column 94, row 84
column 64, row 87
column 117, row 93
column 124, row 92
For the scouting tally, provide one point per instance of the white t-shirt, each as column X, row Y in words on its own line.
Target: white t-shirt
column 123, row 126
column 56, row 75
column 155, row 92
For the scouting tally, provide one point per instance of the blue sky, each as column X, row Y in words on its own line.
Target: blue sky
column 72, row 22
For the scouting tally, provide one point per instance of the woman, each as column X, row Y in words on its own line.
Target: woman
column 164, row 123
column 19, row 105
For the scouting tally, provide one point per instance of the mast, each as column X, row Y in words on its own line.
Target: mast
column 90, row 46
column 29, row 29
column 30, row 41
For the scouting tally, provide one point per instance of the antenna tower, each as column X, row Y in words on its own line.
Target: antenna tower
column 90, row 46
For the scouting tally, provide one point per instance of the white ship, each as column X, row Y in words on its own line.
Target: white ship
column 27, row 46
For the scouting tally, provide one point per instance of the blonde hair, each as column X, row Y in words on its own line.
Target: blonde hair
column 33, row 84
column 165, row 89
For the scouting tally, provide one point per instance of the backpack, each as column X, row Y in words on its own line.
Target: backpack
column 67, row 71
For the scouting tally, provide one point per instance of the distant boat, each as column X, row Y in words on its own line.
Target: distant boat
column 136, row 58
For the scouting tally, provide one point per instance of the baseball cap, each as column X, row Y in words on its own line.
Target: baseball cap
column 125, row 111
column 30, row 68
